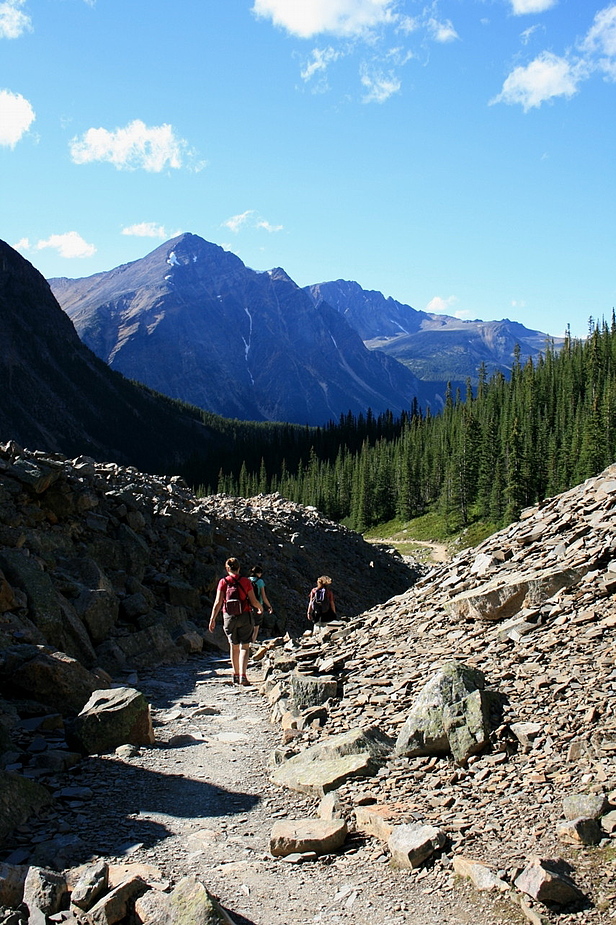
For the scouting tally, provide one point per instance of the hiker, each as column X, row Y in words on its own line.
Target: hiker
column 258, row 586
column 235, row 597
column 321, row 605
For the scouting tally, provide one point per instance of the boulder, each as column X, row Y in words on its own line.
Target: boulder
column 502, row 598
column 548, row 881
column 450, row 715
column 19, row 799
column 91, row 885
column 588, row 805
column 117, row 904
column 326, row 765
column 44, row 890
column 112, row 718
column 47, row 675
column 311, row 690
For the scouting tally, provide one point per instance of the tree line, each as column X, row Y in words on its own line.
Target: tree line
column 497, row 448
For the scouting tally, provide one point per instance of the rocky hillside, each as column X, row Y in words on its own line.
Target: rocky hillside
column 494, row 681
column 57, row 395
column 116, row 569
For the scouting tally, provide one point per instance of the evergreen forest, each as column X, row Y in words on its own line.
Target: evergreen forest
column 491, row 452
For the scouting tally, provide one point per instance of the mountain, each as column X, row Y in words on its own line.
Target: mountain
column 59, row 397
column 192, row 321
column 437, row 348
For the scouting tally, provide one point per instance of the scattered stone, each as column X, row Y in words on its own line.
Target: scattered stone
column 322, row 836
column 411, row 844
column 548, row 882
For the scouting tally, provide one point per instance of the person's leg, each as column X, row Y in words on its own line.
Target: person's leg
column 244, row 653
column 235, row 662
column 255, row 632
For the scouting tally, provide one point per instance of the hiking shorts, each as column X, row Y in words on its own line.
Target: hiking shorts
column 238, row 629
column 257, row 618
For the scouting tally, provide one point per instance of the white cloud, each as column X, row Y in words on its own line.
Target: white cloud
column 439, row 305
column 306, row 18
column 250, row 219
column 68, row 245
column 146, row 230
column 13, row 23
column 265, row 226
column 321, row 59
column 133, row 147
column 16, row 117
column 379, row 86
column 22, row 245
column 601, row 41
column 545, row 78
column 528, row 33
column 442, row 31
column 521, row 7
column 237, row 221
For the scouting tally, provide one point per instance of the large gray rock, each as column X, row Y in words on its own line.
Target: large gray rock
column 189, row 904
column 44, row 890
column 326, row 765
column 311, row 690
column 112, row 718
column 504, row 597
column 47, row 675
column 450, row 715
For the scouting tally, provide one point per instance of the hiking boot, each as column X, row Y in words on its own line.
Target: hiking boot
column 244, row 682
column 236, row 679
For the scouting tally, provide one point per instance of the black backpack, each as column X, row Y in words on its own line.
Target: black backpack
column 234, row 597
column 320, row 602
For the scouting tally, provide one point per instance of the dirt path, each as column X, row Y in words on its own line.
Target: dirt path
column 200, row 803
column 435, row 553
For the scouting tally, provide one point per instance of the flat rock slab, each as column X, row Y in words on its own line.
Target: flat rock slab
column 317, row 778
column 301, row 835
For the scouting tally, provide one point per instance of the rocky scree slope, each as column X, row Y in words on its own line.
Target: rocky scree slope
column 104, row 569
column 532, row 608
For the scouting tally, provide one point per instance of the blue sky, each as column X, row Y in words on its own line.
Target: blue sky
column 458, row 155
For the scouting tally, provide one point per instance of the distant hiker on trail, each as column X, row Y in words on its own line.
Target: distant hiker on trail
column 236, row 598
column 258, row 586
column 321, row 605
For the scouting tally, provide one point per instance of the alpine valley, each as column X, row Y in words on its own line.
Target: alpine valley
column 193, row 322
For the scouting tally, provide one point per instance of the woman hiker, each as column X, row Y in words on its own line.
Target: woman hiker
column 256, row 577
column 236, row 598
column 321, row 604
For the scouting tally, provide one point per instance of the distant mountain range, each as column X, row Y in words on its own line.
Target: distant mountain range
column 193, row 322
column 437, row 348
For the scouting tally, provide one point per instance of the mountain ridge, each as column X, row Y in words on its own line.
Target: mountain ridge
column 192, row 321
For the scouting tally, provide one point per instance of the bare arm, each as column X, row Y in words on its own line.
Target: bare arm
column 215, row 610
column 254, row 601
column 265, row 600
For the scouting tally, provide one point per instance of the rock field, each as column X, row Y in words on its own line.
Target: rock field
column 264, row 794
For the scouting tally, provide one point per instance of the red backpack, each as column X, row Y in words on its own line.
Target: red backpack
column 236, row 598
